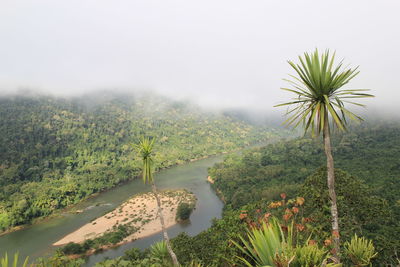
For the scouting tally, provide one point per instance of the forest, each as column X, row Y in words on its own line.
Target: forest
column 56, row 151
column 369, row 151
column 287, row 180
column 368, row 184
column 199, row 133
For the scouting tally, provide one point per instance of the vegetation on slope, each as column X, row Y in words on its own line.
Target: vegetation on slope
column 275, row 233
column 369, row 151
column 370, row 203
column 365, row 210
column 55, row 152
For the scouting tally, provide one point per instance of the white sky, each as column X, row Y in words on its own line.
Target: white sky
column 228, row 52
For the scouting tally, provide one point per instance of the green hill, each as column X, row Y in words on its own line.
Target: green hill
column 56, row 151
column 368, row 191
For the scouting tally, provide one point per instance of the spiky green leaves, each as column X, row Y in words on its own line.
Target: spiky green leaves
column 263, row 244
column 360, row 251
column 145, row 149
column 5, row 262
column 159, row 251
column 318, row 94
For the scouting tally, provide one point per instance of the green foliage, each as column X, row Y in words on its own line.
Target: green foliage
column 5, row 221
column 59, row 260
column 360, row 251
column 368, row 205
column 264, row 244
column 5, row 262
column 72, row 248
column 361, row 211
column 369, row 151
column 116, row 235
column 133, row 254
column 145, row 149
column 317, row 92
column 156, row 256
column 309, row 256
column 244, row 179
column 159, row 252
column 213, row 247
column 284, row 242
column 195, row 263
column 275, row 245
column 55, row 152
column 184, row 210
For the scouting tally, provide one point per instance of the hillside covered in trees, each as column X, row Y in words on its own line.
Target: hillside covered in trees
column 370, row 152
column 287, row 180
column 368, row 182
column 56, row 151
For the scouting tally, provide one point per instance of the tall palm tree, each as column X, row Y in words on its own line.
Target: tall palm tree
column 145, row 149
column 319, row 103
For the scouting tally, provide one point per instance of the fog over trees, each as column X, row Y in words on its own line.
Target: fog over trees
column 225, row 53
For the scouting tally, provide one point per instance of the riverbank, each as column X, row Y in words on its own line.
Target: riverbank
column 139, row 212
column 57, row 212
column 36, row 240
column 72, row 207
column 217, row 191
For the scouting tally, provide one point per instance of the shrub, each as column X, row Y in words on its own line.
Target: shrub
column 88, row 244
column 310, row 255
column 360, row 251
column 72, row 248
column 184, row 211
column 133, row 254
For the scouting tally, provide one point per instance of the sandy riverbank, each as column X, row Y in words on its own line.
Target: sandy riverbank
column 139, row 211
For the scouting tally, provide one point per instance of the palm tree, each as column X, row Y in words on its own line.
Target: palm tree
column 145, row 149
column 319, row 102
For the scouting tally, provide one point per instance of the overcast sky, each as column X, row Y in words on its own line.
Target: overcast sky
column 229, row 53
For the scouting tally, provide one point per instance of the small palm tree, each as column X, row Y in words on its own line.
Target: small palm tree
column 319, row 102
column 145, row 149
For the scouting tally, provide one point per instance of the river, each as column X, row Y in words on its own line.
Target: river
column 36, row 240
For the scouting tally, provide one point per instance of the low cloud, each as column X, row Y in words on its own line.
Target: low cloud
column 229, row 54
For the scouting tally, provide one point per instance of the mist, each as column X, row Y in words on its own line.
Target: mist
column 218, row 54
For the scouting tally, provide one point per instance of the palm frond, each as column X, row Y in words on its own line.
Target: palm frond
column 319, row 96
column 262, row 245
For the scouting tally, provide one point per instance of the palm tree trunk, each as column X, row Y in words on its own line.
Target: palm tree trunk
column 166, row 238
column 331, row 188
